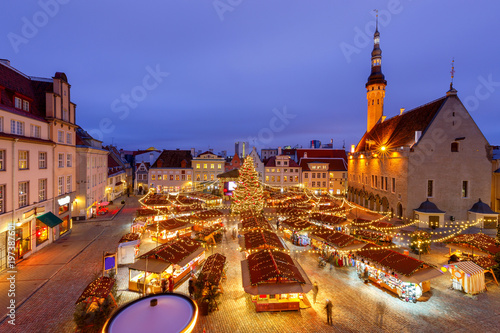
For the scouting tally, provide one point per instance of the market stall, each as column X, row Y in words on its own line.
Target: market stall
column 260, row 239
column 166, row 230
column 206, row 218
column 297, row 230
column 213, row 271
column 275, row 281
column 211, row 234
column 403, row 275
column 96, row 292
column 470, row 245
column 330, row 221
column 138, row 226
column 336, row 246
column 467, row 276
column 176, row 258
column 128, row 247
column 252, row 221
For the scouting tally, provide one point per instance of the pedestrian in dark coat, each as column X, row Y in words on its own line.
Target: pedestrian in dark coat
column 163, row 285
column 191, row 287
column 329, row 310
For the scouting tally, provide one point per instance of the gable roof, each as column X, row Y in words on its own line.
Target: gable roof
column 400, row 130
column 173, row 159
column 272, row 162
column 334, row 164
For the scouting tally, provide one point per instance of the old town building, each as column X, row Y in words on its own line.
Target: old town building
column 433, row 153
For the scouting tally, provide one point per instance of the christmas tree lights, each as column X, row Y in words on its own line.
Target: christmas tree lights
column 249, row 194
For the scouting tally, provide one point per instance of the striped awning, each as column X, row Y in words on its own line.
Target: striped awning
column 468, row 267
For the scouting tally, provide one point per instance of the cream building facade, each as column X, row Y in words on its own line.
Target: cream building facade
column 206, row 167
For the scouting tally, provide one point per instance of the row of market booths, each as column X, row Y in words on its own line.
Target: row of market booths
column 275, row 281
column 399, row 273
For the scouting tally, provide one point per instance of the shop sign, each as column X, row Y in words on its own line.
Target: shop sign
column 64, row 201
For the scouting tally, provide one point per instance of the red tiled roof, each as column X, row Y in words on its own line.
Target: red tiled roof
column 400, row 130
column 272, row 266
column 173, row 159
column 334, row 164
column 325, row 153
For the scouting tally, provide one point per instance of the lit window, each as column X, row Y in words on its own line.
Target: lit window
column 68, row 184
column 197, row 165
column 23, row 160
column 465, row 189
column 219, row 166
column 212, row 166
column 60, row 185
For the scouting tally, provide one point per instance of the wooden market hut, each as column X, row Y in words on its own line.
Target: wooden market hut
column 177, row 258
column 213, row 271
column 208, row 234
column 405, row 276
column 294, row 227
column 127, row 248
column 97, row 291
column 328, row 221
column 335, row 240
column 261, row 239
column 253, row 221
column 473, row 245
column 275, row 281
column 206, row 218
column 167, row 230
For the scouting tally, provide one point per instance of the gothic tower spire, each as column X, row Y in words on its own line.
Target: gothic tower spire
column 375, row 87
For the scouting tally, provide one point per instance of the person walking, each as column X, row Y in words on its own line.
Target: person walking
column 329, row 310
column 191, row 287
column 163, row 285
column 315, row 291
column 170, row 284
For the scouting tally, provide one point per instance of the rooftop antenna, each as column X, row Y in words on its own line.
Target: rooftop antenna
column 452, row 72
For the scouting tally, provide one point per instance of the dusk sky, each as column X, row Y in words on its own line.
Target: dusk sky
column 227, row 70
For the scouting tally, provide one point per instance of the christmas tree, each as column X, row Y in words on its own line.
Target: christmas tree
column 248, row 194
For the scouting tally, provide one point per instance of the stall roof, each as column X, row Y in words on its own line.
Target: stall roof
column 257, row 238
column 297, row 224
column 151, row 265
column 175, row 251
column 207, row 214
column 468, row 267
column 100, row 288
column 485, row 262
column 339, row 240
column 129, row 237
column 274, row 288
column 325, row 218
column 170, row 225
column 479, row 242
column 213, row 268
column 254, row 222
column 267, row 265
column 424, row 274
column 392, row 260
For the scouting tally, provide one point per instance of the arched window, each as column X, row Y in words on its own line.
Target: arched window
column 378, row 101
column 373, row 101
column 454, row 147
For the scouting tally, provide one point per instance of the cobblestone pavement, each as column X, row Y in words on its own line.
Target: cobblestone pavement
column 358, row 307
column 50, row 281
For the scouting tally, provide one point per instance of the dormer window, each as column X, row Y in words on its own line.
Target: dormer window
column 18, row 103
column 26, row 106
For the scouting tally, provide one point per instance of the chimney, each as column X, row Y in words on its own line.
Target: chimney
column 305, row 154
column 401, row 111
column 279, row 150
column 192, row 152
column 5, row 61
column 418, row 134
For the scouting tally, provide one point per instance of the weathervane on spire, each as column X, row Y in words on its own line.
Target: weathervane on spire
column 376, row 19
column 452, row 72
